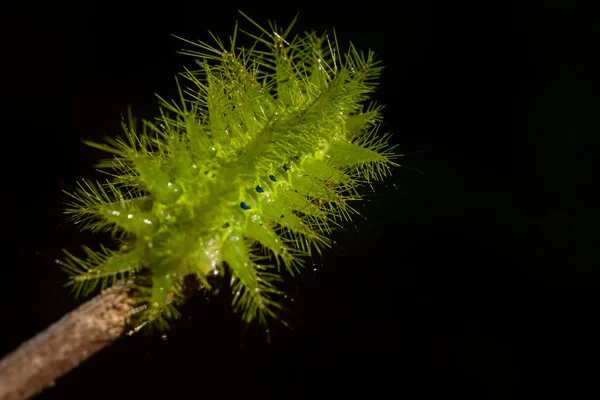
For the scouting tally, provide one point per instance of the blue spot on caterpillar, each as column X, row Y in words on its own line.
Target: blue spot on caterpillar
column 244, row 206
column 259, row 189
column 271, row 177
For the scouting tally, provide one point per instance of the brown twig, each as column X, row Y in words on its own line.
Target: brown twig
column 37, row 363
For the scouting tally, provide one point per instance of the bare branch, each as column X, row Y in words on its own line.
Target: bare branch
column 64, row 345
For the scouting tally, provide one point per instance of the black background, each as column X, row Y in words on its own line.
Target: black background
column 475, row 279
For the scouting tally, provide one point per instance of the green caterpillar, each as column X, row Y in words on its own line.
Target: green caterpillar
column 251, row 168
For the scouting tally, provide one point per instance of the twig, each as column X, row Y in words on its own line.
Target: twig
column 37, row 363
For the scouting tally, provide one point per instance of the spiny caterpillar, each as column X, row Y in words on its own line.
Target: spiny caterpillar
column 250, row 170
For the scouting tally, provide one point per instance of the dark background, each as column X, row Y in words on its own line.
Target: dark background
column 476, row 279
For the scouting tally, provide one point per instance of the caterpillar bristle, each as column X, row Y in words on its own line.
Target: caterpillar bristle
column 252, row 168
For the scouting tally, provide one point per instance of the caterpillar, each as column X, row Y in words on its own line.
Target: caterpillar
column 249, row 171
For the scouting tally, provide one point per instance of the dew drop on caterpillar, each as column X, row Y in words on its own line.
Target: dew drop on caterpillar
column 245, row 175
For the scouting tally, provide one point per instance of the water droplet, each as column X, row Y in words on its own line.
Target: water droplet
column 164, row 337
column 155, row 304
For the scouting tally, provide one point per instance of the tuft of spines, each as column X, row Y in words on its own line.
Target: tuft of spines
column 251, row 168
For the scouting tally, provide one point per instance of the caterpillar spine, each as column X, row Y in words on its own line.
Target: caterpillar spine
column 253, row 166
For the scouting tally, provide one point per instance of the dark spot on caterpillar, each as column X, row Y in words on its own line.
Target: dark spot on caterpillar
column 281, row 216
column 259, row 189
column 244, row 206
column 271, row 177
column 226, row 225
column 285, row 167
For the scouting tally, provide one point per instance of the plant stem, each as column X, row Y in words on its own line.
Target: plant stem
column 64, row 345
